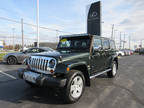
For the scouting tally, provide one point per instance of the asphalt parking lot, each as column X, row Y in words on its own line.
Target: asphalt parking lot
column 124, row 91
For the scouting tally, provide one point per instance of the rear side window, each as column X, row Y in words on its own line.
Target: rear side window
column 41, row 50
column 112, row 44
column 106, row 44
column 97, row 43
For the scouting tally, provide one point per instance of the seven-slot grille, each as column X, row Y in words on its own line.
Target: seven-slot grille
column 40, row 64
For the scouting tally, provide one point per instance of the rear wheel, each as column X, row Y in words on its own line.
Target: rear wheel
column 74, row 87
column 11, row 60
column 113, row 71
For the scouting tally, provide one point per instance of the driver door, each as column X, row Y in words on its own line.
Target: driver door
column 96, row 61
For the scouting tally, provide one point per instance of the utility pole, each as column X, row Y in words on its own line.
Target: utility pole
column 13, row 30
column 129, row 42
column 141, row 44
column 124, row 41
column 22, row 34
column 38, row 23
column 120, row 41
column 112, row 31
column 57, row 36
column 115, row 35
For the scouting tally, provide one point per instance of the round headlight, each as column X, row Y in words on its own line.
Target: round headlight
column 52, row 63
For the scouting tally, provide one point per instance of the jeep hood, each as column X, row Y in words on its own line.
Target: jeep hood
column 65, row 56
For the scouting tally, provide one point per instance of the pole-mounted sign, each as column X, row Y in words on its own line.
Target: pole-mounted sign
column 94, row 19
column 1, row 44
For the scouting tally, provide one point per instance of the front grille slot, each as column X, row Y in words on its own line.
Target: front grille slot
column 40, row 64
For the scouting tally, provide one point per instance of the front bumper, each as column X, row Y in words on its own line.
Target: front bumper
column 45, row 80
column 4, row 59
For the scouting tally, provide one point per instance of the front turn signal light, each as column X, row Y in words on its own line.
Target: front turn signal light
column 51, row 71
column 68, row 69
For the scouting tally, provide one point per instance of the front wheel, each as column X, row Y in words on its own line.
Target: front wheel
column 113, row 71
column 74, row 87
column 11, row 60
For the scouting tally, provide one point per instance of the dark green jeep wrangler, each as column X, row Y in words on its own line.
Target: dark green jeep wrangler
column 78, row 59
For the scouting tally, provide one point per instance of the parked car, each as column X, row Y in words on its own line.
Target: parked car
column 78, row 59
column 131, row 52
column 141, row 51
column 120, row 53
column 137, row 50
column 126, row 52
column 18, row 57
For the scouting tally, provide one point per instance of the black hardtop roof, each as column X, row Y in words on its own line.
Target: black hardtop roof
column 74, row 35
column 81, row 35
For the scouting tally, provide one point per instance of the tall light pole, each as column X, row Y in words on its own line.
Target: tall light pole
column 112, row 31
column 22, row 34
column 115, row 35
column 120, row 41
column 13, row 30
column 38, row 23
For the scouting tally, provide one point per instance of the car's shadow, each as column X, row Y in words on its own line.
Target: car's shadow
column 17, row 91
column 44, row 95
column 38, row 95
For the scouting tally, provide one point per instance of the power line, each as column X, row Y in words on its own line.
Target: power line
column 19, row 22
column 15, row 37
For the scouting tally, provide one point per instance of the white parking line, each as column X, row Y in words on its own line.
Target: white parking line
column 7, row 75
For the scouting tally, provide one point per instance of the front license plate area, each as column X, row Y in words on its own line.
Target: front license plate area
column 31, row 76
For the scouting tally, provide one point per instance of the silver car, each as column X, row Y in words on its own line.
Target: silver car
column 18, row 57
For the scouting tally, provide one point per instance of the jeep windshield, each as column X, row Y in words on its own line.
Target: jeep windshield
column 74, row 44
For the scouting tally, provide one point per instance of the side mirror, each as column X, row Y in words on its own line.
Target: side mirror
column 25, row 51
column 96, row 49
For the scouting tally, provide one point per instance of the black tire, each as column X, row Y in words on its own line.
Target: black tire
column 119, row 54
column 31, row 84
column 73, row 74
column 113, row 71
column 11, row 60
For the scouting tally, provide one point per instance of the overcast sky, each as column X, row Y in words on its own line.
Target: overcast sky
column 70, row 16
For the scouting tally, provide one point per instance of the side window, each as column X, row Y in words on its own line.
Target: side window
column 41, row 50
column 34, row 50
column 106, row 44
column 97, row 43
column 65, row 44
column 112, row 44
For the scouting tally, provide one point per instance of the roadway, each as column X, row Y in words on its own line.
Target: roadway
column 124, row 91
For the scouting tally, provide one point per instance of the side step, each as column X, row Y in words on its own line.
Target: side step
column 95, row 75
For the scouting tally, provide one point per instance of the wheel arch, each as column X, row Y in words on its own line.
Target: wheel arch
column 83, row 68
column 12, row 56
